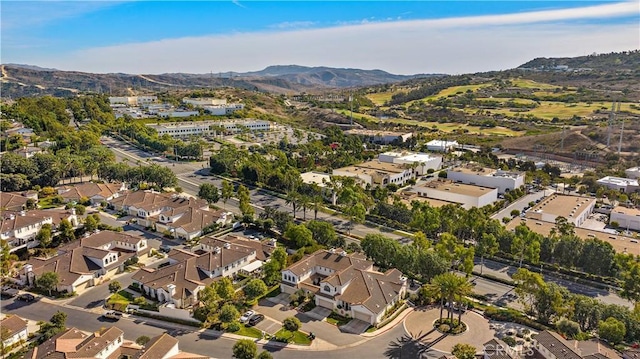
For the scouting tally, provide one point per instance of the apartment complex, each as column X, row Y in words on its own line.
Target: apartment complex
column 627, row 218
column 346, row 283
column 466, row 195
column 422, row 162
column 474, row 174
column 377, row 173
column 574, row 208
column 210, row 128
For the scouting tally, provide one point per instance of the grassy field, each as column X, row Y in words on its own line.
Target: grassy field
column 381, row 97
column 549, row 109
column 249, row 332
column 455, row 89
column 523, row 101
column 296, row 337
column 450, row 127
column 530, row 84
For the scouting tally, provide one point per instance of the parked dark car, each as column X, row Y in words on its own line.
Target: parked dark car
column 256, row 319
column 26, row 297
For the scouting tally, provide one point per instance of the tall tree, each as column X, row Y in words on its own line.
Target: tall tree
column 487, row 246
column 245, row 202
column 48, row 281
column 227, row 192
column 209, row 192
column 245, row 349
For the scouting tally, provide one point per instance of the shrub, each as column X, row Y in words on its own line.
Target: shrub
column 510, row 341
column 233, row 327
column 569, row 328
column 292, row 324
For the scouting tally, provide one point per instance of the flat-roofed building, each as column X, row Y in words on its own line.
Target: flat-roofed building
column 467, row 195
column 321, row 180
column 441, row 145
column 209, row 128
column 204, row 101
column 376, row 173
column 626, row 185
column 574, row 208
column 633, row 172
column 422, row 161
column 381, row 137
column 132, row 100
column 620, row 243
column 474, row 174
column 627, row 218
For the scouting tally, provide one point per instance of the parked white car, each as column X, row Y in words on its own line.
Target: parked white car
column 246, row 316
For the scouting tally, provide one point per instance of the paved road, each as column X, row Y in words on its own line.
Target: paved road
column 192, row 174
column 391, row 344
column 94, row 297
column 522, row 203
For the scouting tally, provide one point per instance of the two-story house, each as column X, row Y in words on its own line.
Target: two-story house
column 88, row 261
column 184, row 274
column 551, row 345
column 16, row 201
column 188, row 223
column 19, row 228
column 14, row 330
column 107, row 343
column 346, row 283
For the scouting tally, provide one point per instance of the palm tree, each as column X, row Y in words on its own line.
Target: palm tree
column 305, row 202
column 293, row 198
column 452, row 287
column 317, row 203
column 437, row 288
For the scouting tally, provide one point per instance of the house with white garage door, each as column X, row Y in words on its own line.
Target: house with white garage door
column 346, row 283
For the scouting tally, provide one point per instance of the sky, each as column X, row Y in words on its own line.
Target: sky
column 401, row 37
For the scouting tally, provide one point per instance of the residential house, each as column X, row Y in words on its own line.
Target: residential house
column 16, row 201
column 184, row 274
column 14, row 330
column 29, row 151
column 346, row 283
column 147, row 206
column 497, row 349
column 551, row 345
column 188, row 223
column 19, row 228
column 107, row 343
column 88, row 261
column 95, row 192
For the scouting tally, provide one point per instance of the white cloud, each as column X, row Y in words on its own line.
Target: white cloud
column 452, row 45
column 22, row 14
column 288, row 25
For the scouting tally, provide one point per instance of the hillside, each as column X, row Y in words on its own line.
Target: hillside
column 26, row 80
column 615, row 61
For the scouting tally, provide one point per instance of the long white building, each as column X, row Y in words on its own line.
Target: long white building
column 423, row 161
column 208, row 128
column 132, row 100
column 504, row 181
column 575, row 209
column 627, row 218
column 441, row 146
column 626, row 185
column 466, row 195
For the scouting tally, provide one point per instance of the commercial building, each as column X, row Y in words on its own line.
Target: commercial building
column 132, row 100
column 626, row 185
column 574, row 208
column 377, row 173
column 633, row 172
column 380, row 137
column 473, row 174
column 204, row 101
column 346, row 283
column 422, row 161
column 209, row 128
column 620, row 243
column 441, row 145
column 627, row 218
column 321, row 180
column 466, row 195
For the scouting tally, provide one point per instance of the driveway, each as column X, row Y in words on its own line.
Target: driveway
column 323, row 330
column 355, row 326
column 318, row 313
column 94, row 297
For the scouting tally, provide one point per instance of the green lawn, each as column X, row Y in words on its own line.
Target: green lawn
column 47, row 203
column 381, row 97
column 274, row 292
column 121, row 297
column 450, row 127
column 532, row 84
column 550, row 109
column 455, row 89
column 296, row 337
column 249, row 332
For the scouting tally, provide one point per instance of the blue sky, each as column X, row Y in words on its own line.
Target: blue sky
column 396, row 36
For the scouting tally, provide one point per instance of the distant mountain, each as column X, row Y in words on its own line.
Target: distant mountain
column 611, row 62
column 26, row 80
